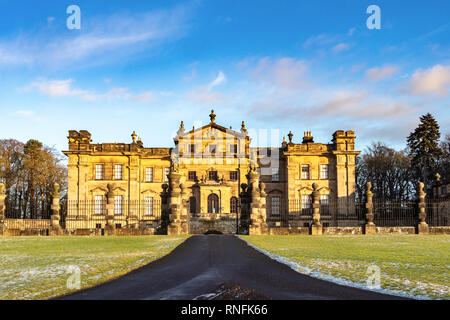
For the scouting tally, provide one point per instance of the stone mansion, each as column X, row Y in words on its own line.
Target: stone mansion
column 208, row 180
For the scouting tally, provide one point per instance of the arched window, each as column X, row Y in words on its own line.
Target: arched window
column 233, row 205
column 192, row 205
column 213, row 203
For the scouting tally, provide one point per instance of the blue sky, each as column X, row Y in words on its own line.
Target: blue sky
column 278, row 65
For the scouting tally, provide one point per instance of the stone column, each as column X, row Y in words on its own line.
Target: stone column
column 422, row 226
column 110, row 227
column 369, row 227
column 178, row 224
column 2, row 209
column 258, row 223
column 316, row 227
column 55, row 226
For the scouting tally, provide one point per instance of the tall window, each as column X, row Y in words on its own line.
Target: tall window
column 213, row 203
column 306, row 201
column 98, row 205
column 149, row 206
column 166, row 174
column 118, row 205
column 233, row 205
column 233, row 148
column 192, row 205
column 148, row 174
column 275, row 175
column 212, row 175
column 118, row 172
column 323, row 171
column 305, row 171
column 98, row 172
column 233, row 175
column 212, row 148
column 275, row 205
column 192, row 148
column 192, row 175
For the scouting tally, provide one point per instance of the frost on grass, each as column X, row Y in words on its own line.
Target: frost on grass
column 38, row 268
column 397, row 277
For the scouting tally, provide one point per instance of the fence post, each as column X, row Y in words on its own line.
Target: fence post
column 369, row 227
column 422, row 226
column 2, row 209
column 110, row 227
column 258, row 222
column 177, row 225
column 55, row 227
column 316, row 227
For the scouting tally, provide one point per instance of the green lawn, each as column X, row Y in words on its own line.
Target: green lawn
column 413, row 264
column 40, row 267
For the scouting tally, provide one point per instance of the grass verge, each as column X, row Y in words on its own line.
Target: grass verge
column 40, row 267
column 415, row 265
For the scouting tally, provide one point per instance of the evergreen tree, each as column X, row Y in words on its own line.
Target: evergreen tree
column 424, row 149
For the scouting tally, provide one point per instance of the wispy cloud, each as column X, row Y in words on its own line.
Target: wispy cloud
column 121, row 34
column 204, row 94
column 65, row 88
column 381, row 73
column 220, row 79
column 25, row 113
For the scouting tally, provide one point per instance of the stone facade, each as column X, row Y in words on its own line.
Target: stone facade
column 210, row 174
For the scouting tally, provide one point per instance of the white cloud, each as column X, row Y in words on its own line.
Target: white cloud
column 340, row 47
column 220, row 79
column 431, row 81
column 204, row 95
column 380, row 73
column 65, row 88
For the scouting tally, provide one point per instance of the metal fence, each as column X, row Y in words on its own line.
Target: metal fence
column 23, row 216
column 90, row 214
column 347, row 212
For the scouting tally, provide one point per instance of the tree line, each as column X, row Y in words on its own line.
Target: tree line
column 29, row 172
column 394, row 174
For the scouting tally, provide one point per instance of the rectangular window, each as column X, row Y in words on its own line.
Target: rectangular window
column 233, row 148
column 305, row 171
column 166, row 174
column 275, row 176
column 323, row 171
column 444, row 190
column 118, row 172
column 118, row 205
column 306, row 201
column 212, row 148
column 275, row 205
column 233, row 175
column 212, row 175
column 149, row 206
column 98, row 205
column 324, row 199
column 98, row 172
column 192, row 148
column 148, row 174
column 192, row 175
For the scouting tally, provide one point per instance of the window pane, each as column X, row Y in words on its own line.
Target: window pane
column 149, row 174
column 305, row 171
column 275, row 176
column 149, row 206
column 275, row 205
column 99, row 172
column 306, row 201
column 118, row 172
column 98, row 205
column 117, row 204
column 324, row 171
